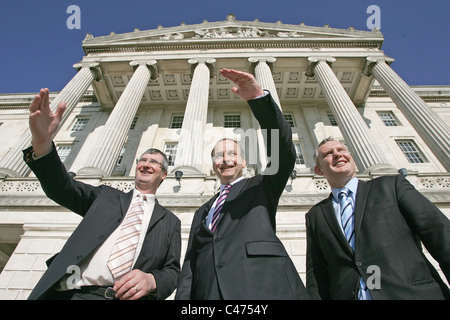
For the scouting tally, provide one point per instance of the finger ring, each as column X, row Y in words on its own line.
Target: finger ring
column 136, row 288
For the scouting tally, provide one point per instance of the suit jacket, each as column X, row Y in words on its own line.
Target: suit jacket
column 243, row 258
column 103, row 209
column 391, row 220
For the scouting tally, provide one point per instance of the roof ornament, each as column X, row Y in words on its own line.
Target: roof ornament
column 231, row 17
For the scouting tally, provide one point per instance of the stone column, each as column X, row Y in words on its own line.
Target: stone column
column 366, row 153
column 262, row 69
column 103, row 157
column 431, row 128
column 12, row 164
column 189, row 158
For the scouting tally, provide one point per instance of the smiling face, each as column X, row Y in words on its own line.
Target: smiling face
column 335, row 163
column 228, row 161
column 149, row 172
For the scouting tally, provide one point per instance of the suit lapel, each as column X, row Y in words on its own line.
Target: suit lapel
column 207, row 207
column 235, row 190
column 330, row 216
column 158, row 213
column 229, row 202
column 125, row 200
column 360, row 205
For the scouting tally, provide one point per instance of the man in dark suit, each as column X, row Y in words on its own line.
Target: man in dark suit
column 366, row 245
column 82, row 269
column 233, row 251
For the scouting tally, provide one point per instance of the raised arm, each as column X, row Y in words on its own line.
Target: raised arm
column 57, row 184
column 247, row 86
column 43, row 122
column 281, row 151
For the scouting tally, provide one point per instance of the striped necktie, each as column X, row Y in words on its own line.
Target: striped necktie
column 346, row 207
column 122, row 255
column 219, row 205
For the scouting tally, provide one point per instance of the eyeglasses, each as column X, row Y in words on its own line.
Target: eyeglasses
column 153, row 163
column 219, row 155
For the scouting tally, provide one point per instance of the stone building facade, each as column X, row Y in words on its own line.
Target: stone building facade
column 161, row 88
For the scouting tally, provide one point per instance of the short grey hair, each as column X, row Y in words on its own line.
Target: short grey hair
column 157, row 151
column 316, row 152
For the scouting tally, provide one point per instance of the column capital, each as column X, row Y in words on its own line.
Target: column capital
column 209, row 62
column 255, row 60
column 313, row 61
column 93, row 66
column 150, row 64
column 371, row 61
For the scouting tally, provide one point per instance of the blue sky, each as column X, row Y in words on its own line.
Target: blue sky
column 38, row 50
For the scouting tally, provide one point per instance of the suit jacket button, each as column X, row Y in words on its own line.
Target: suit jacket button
column 79, row 257
column 219, row 265
column 358, row 264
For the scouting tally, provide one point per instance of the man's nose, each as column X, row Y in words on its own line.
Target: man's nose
column 225, row 157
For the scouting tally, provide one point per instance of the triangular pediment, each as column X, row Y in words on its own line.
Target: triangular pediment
column 231, row 30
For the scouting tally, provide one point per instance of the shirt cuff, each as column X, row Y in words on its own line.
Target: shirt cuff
column 266, row 92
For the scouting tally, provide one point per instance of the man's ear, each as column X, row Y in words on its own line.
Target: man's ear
column 318, row 171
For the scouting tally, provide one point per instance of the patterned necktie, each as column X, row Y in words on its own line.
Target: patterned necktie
column 219, row 205
column 347, row 218
column 122, row 255
column 346, row 207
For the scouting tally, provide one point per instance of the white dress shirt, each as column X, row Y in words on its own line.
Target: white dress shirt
column 93, row 270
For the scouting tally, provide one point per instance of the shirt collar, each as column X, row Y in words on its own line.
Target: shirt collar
column 149, row 197
column 222, row 186
column 352, row 185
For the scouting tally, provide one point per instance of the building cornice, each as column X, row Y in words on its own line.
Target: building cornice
column 232, row 34
column 225, row 44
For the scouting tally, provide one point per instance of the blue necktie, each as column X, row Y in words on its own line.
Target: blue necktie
column 219, row 205
column 346, row 208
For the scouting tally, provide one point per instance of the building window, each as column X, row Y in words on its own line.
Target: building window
column 176, row 122
column 79, row 124
column 63, row 152
column 170, row 149
column 232, row 121
column 120, row 158
column 299, row 158
column 388, row 119
column 332, row 119
column 133, row 123
column 411, row 152
column 289, row 119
